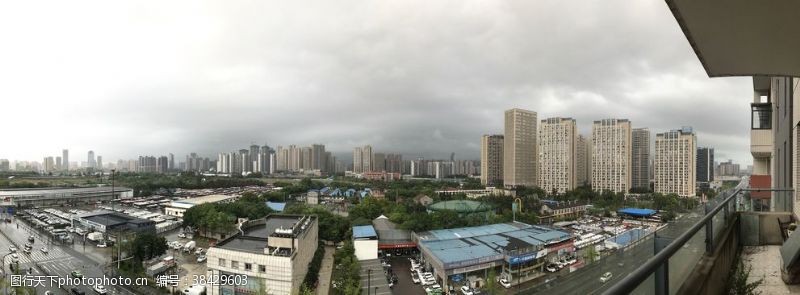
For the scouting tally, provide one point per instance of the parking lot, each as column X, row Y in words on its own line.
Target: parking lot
column 373, row 278
column 402, row 268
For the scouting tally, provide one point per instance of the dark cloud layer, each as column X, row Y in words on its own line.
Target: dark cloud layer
column 417, row 77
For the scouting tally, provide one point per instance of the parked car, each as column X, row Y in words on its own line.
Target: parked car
column 199, row 251
column 100, row 289
column 12, row 249
column 76, row 291
column 44, row 250
column 551, row 267
column 606, row 277
column 466, row 290
column 201, row 258
column 505, row 283
column 415, row 278
column 182, row 235
column 76, row 274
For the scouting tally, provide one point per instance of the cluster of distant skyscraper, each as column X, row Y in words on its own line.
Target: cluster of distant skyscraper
column 552, row 155
column 376, row 165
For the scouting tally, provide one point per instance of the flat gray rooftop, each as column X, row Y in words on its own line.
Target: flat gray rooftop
column 255, row 237
column 51, row 191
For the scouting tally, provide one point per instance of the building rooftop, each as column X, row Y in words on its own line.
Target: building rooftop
column 639, row 212
column 461, row 206
column 460, row 247
column 59, row 190
column 254, row 239
column 388, row 231
column 112, row 219
column 276, row 206
column 364, row 231
column 191, row 202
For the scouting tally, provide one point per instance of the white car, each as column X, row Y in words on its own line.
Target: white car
column 415, row 278
column 466, row 290
column 44, row 250
column 505, row 283
column 102, row 245
column 182, row 235
column 201, row 258
column 198, row 251
column 100, row 289
column 606, row 277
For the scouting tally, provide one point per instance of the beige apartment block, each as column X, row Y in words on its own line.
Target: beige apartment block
column 557, row 154
column 611, row 155
column 519, row 149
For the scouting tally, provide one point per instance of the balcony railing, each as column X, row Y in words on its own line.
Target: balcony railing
column 713, row 222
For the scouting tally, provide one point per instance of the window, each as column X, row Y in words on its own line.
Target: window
column 221, row 262
column 248, row 266
column 234, row 264
column 761, row 116
column 262, row 268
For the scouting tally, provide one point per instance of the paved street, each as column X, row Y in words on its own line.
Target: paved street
column 326, row 271
column 59, row 261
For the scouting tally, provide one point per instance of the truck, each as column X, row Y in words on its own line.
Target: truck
column 189, row 246
column 95, row 236
column 160, row 267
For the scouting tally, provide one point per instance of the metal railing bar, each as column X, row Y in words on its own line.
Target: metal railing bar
column 630, row 282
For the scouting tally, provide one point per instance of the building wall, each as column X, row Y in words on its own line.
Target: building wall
column 491, row 159
column 781, row 94
column 640, row 158
column 675, row 163
column 520, row 156
column 280, row 275
column 611, row 155
column 557, row 154
column 582, row 160
column 366, row 249
column 705, row 164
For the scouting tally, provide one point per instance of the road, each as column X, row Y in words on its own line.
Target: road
column 60, row 261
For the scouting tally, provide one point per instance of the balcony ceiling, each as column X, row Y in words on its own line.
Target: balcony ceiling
column 742, row 37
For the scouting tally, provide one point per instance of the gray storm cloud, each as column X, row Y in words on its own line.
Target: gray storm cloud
column 418, row 77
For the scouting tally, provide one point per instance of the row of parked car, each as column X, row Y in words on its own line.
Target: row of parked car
column 562, row 263
column 426, row 279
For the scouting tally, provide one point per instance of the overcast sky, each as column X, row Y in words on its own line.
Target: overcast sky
column 416, row 77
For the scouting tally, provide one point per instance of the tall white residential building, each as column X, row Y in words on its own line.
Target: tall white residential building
column 557, row 154
column 363, row 159
column 611, row 155
column 583, row 160
column 519, row 149
column 48, row 165
column 640, row 158
column 91, row 161
column 675, row 165
column 492, row 159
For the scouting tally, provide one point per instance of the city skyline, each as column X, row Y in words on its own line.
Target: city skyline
column 247, row 79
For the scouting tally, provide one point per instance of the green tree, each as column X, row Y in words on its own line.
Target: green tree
column 492, row 286
column 147, row 246
column 590, row 255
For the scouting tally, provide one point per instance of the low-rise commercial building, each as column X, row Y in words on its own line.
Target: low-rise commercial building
column 177, row 208
column 517, row 251
column 113, row 222
column 365, row 242
column 273, row 252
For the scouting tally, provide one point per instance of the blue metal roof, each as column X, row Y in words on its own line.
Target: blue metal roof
column 275, row 206
column 637, row 212
column 461, row 247
column 364, row 231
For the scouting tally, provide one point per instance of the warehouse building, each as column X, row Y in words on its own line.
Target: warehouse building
column 516, row 251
